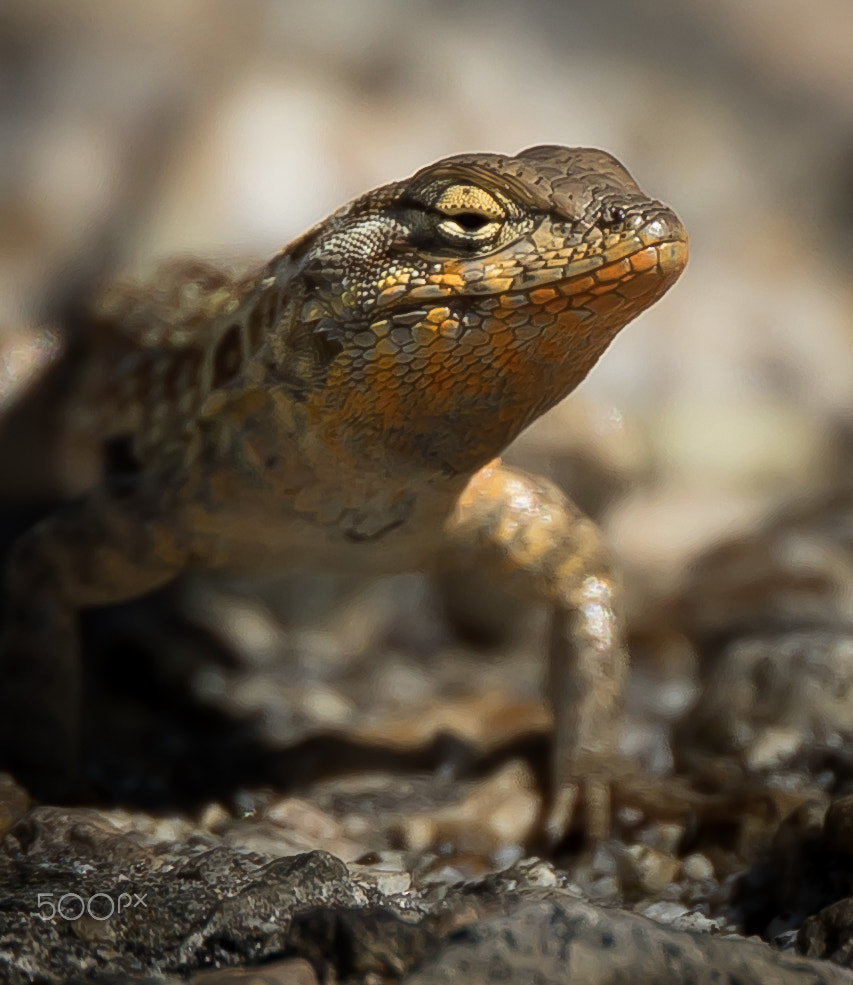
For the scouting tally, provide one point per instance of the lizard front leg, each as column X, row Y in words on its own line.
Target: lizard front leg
column 114, row 544
column 525, row 531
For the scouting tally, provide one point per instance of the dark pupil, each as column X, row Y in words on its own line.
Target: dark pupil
column 472, row 221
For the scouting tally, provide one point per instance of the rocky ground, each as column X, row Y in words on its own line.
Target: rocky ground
column 353, row 794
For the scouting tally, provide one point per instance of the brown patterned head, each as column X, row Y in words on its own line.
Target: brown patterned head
column 443, row 313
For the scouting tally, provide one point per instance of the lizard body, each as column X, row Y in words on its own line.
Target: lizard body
column 343, row 407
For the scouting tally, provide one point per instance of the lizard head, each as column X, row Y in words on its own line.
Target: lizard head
column 438, row 316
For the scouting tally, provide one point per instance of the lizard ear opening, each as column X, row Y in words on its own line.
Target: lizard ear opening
column 228, row 357
column 326, row 348
column 119, row 456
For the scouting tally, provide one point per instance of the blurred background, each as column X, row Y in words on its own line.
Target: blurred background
column 205, row 127
column 202, row 127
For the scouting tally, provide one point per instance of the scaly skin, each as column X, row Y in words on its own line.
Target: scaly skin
column 343, row 408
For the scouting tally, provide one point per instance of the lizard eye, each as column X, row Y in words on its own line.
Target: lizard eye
column 471, row 228
column 471, row 221
column 467, row 214
column 454, row 214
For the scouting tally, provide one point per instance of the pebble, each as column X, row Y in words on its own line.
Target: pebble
column 697, row 867
column 646, row 869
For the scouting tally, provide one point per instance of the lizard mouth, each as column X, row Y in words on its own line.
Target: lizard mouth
column 645, row 262
column 640, row 266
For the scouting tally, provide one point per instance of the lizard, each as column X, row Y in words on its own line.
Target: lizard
column 344, row 407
